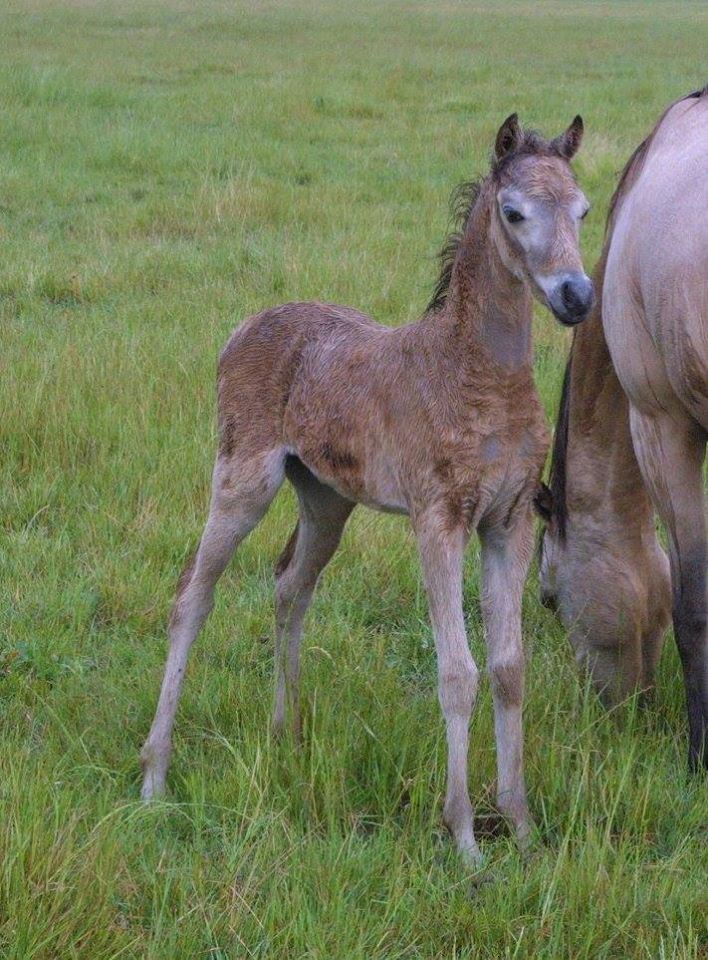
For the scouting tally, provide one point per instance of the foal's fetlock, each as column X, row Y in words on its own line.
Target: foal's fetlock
column 516, row 812
column 470, row 855
column 283, row 726
column 527, row 839
column 154, row 765
column 460, row 822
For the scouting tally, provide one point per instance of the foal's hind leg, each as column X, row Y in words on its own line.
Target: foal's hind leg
column 241, row 493
column 323, row 514
column 506, row 554
column 670, row 454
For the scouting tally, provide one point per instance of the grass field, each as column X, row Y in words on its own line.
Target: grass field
column 166, row 169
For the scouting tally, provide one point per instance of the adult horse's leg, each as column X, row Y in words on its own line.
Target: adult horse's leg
column 506, row 554
column 442, row 556
column 670, row 452
column 242, row 490
column 323, row 514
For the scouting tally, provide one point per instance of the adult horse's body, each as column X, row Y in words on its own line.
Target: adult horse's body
column 655, row 316
column 602, row 567
column 439, row 419
column 655, row 322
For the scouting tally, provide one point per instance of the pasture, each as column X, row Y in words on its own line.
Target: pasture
column 167, row 168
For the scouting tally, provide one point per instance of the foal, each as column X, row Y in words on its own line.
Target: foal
column 439, row 420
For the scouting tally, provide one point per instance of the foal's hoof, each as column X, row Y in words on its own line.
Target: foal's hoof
column 153, row 785
column 154, row 763
column 479, row 882
column 471, row 857
column 282, row 731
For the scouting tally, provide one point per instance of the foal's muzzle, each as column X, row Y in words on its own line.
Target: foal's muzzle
column 571, row 299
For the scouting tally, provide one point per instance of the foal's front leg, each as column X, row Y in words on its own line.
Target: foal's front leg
column 442, row 556
column 506, row 554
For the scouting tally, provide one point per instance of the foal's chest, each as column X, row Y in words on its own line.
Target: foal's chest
column 492, row 474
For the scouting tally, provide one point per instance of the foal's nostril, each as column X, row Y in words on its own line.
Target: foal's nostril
column 577, row 295
column 571, row 298
column 569, row 295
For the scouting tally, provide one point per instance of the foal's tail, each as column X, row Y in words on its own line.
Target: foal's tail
column 283, row 561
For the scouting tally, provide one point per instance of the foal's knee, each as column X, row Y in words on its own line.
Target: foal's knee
column 193, row 603
column 458, row 688
column 507, row 679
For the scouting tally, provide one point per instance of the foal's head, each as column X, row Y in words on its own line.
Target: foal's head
column 536, row 216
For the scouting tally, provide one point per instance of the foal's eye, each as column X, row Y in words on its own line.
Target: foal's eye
column 585, row 213
column 513, row 216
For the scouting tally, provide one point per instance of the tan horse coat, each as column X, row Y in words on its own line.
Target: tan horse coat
column 655, row 316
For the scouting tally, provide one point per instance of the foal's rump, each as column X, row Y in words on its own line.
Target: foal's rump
column 260, row 366
column 315, row 381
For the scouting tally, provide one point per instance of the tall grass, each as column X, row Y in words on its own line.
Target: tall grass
column 165, row 169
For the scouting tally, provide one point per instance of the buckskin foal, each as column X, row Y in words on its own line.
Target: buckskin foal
column 439, row 420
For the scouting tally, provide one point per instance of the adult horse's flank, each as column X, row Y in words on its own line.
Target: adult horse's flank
column 438, row 419
column 655, row 321
column 601, row 566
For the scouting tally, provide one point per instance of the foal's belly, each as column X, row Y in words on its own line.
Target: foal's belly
column 480, row 477
column 371, row 481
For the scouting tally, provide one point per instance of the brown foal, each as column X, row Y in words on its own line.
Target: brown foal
column 438, row 420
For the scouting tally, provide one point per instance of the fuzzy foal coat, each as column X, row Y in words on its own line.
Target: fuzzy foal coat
column 439, row 420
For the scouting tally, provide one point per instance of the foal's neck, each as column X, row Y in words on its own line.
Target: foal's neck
column 488, row 310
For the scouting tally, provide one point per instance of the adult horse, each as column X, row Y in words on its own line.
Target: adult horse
column 655, row 321
column 601, row 566
column 439, row 420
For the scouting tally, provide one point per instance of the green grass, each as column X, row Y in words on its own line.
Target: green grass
column 166, row 169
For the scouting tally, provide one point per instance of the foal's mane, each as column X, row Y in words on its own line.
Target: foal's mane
column 627, row 178
column 462, row 202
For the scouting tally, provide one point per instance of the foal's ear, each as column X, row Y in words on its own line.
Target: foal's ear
column 543, row 503
column 509, row 137
column 568, row 143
